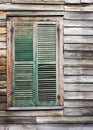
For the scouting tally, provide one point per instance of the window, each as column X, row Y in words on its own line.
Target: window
column 34, row 65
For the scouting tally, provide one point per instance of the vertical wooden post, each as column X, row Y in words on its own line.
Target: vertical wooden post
column 9, row 64
column 61, row 63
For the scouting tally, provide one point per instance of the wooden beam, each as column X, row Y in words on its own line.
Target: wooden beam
column 86, row 8
column 84, row 87
column 9, row 63
column 67, row 119
column 80, row 15
column 78, row 47
column 79, row 96
column 72, row 1
column 39, row 1
column 80, row 23
column 28, row 7
column 60, row 65
column 77, row 62
column 86, row 1
column 78, row 31
column 35, row 13
column 78, row 111
column 78, row 55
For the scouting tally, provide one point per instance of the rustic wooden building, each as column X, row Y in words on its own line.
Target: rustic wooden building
column 46, row 61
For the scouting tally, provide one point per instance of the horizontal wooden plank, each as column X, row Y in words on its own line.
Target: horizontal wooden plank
column 31, row 113
column 17, row 120
column 2, row 69
column 2, row 15
column 29, row 7
column 3, row 99
column 2, row 24
column 78, row 55
column 80, row 23
column 4, row 1
column 78, row 62
column 3, row 84
column 78, row 112
column 2, row 91
column 3, row 76
column 2, row 53
column 78, row 79
column 2, row 61
column 2, row 37
column 79, row 7
column 2, row 30
column 87, row 1
column 66, row 119
column 80, row 71
column 78, row 47
column 78, row 39
column 3, row 106
column 78, row 87
column 78, row 95
column 2, row 45
column 33, row 13
column 78, row 15
column 39, row 1
column 72, row 1
column 78, row 104
column 78, row 31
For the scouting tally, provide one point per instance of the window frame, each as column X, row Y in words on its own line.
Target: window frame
column 60, row 61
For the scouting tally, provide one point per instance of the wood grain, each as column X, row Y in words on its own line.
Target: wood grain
column 66, row 119
column 78, row 31
column 2, row 45
column 80, row 23
column 87, row 55
column 78, row 39
column 78, row 47
column 72, row 1
column 39, row 1
column 76, row 87
column 3, row 84
column 78, row 111
column 86, row 1
column 3, row 53
column 80, row 71
column 78, row 62
column 78, row 79
column 78, row 104
column 81, row 8
column 2, row 37
column 2, row 14
column 2, row 60
column 78, row 95
column 80, row 15
column 29, row 7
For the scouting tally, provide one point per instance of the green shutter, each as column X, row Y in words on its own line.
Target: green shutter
column 35, row 64
column 47, row 44
column 23, row 65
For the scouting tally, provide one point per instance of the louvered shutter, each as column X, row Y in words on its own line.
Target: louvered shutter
column 23, row 65
column 47, row 64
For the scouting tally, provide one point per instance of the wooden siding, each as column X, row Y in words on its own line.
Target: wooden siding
column 3, row 62
column 78, row 61
column 39, row 1
column 78, row 26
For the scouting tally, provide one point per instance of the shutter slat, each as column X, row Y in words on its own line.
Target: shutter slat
column 23, row 42
column 46, row 42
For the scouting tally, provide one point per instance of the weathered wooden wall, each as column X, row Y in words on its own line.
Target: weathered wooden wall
column 78, row 60
column 78, row 57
